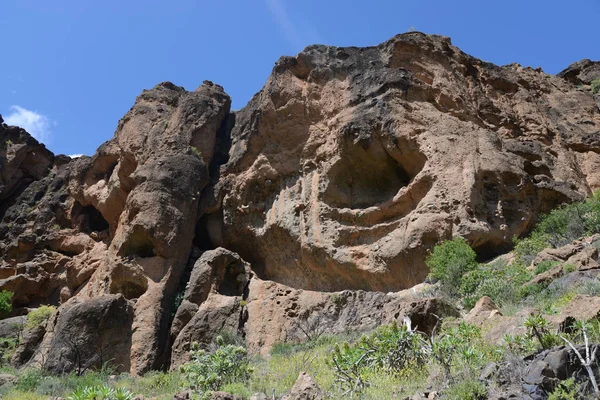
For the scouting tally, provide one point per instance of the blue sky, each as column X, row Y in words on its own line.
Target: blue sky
column 71, row 68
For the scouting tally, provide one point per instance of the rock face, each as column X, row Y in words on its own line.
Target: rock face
column 212, row 302
column 326, row 191
column 352, row 163
column 88, row 334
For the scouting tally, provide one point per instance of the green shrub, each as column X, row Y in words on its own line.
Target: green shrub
column 7, row 349
column 40, row 316
column 29, row 380
column 211, row 371
column 196, row 151
column 5, row 303
column 450, row 261
column 470, row 389
column 595, row 86
column 238, row 389
column 539, row 328
column 519, row 344
column 390, row 348
column 568, row 268
column 566, row 390
column 526, row 249
column 51, row 386
column 499, row 281
column 545, row 266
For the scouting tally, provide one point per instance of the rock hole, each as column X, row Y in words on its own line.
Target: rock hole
column 366, row 176
column 131, row 283
column 234, row 280
column 138, row 244
column 88, row 218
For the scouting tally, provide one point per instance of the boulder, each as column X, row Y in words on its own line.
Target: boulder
column 12, row 328
column 277, row 313
column 484, row 310
column 87, row 334
column 29, row 347
column 212, row 302
column 7, row 379
column 305, row 388
column 552, row 366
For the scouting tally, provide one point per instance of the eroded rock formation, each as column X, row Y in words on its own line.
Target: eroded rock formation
column 326, row 191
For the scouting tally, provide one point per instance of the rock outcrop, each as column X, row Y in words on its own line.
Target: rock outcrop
column 325, row 194
column 351, row 163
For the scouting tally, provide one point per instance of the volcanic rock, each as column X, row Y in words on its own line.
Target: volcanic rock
column 332, row 185
column 352, row 163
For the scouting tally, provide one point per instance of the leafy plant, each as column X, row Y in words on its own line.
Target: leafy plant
column 5, row 303
column 29, row 380
column 545, row 266
column 539, row 328
column 40, row 316
column 595, row 86
column 449, row 261
column 470, row 389
column 390, row 349
column 566, row 390
column 103, row 392
column 211, row 371
column 196, row 151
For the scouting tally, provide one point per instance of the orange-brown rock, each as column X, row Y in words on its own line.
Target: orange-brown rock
column 332, row 184
column 351, row 163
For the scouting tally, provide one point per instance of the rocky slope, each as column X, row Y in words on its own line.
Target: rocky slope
column 338, row 176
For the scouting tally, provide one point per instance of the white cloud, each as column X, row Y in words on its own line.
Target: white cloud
column 36, row 124
column 76, row 155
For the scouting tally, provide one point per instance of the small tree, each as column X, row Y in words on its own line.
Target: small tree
column 5, row 303
column 449, row 261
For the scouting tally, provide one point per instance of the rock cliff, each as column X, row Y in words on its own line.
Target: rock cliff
column 297, row 212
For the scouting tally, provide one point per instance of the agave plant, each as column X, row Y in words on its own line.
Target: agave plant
column 101, row 393
column 123, row 394
column 78, row 394
column 104, row 393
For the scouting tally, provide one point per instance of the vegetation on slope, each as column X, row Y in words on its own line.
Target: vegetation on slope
column 391, row 362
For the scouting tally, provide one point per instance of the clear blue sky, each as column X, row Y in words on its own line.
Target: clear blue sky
column 71, row 68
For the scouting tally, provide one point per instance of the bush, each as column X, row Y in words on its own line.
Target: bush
column 470, row 389
column 389, row 349
column 29, row 380
column 7, row 349
column 51, row 386
column 595, row 85
column 40, row 316
column 545, row 266
column 527, row 248
column 450, row 261
column 5, row 303
column 566, row 390
column 499, row 281
column 211, row 371
column 568, row 268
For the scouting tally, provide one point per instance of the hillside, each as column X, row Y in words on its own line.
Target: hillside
column 314, row 207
